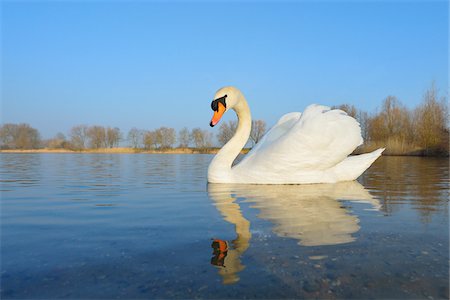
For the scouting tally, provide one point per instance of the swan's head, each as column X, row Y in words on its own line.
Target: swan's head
column 225, row 99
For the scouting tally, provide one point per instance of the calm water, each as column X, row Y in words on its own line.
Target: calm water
column 141, row 226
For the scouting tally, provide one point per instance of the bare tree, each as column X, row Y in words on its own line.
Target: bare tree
column 393, row 115
column 258, row 131
column 58, row 142
column 8, row 133
column 28, row 137
column 392, row 123
column 78, row 136
column 184, row 137
column 376, row 128
column 201, row 138
column 150, row 140
column 431, row 121
column 170, row 137
column 113, row 137
column 135, row 137
column 97, row 137
column 226, row 132
column 19, row 136
column 165, row 137
column 363, row 119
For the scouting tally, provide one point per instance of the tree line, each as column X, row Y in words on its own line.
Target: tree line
column 166, row 138
column 82, row 137
column 423, row 130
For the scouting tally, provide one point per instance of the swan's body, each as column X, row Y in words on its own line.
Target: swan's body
column 312, row 147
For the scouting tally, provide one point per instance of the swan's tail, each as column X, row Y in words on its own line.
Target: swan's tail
column 353, row 166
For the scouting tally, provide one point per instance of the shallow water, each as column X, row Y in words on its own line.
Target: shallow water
column 141, row 226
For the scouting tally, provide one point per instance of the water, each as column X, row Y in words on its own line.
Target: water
column 141, row 226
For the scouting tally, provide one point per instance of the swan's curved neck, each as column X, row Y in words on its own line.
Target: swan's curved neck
column 220, row 166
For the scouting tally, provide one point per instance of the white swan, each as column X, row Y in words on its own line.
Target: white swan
column 312, row 147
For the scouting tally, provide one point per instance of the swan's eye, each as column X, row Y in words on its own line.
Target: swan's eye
column 215, row 103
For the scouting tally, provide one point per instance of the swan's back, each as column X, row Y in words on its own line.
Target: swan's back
column 302, row 148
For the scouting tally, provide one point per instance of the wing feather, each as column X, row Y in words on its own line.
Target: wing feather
column 318, row 139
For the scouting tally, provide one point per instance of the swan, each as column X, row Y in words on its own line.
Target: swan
column 302, row 148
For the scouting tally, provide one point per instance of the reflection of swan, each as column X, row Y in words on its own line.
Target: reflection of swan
column 301, row 148
column 311, row 214
column 232, row 213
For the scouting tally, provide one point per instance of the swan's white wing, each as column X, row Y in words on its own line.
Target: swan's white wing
column 316, row 140
column 284, row 124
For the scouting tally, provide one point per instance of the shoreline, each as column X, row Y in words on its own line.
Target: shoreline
column 125, row 150
column 113, row 151
column 122, row 150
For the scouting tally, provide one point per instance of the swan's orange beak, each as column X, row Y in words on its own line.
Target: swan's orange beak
column 217, row 114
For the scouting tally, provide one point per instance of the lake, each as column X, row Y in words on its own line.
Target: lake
column 142, row 226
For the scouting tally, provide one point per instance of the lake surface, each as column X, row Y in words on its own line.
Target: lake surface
column 142, row 226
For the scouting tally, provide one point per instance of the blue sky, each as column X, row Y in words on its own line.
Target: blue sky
column 147, row 64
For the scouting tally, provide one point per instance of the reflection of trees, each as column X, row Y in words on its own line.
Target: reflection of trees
column 20, row 171
column 419, row 182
